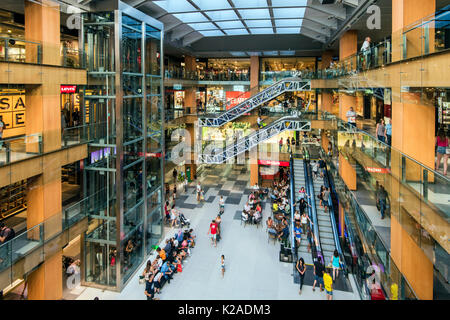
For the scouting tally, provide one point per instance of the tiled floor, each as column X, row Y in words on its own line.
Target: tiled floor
column 253, row 270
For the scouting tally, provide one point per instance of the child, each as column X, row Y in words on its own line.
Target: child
column 221, row 205
column 222, row 263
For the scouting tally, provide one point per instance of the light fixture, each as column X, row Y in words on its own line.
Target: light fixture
column 9, row 31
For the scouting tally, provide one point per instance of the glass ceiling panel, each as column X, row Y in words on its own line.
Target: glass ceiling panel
column 288, row 30
column 259, row 23
column 255, row 14
column 202, row 26
column 289, row 13
column 222, row 15
column 236, row 32
column 175, row 5
column 262, row 31
column 230, row 24
column 211, row 5
column 288, row 22
column 250, row 3
column 191, row 17
column 289, row 3
column 212, row 33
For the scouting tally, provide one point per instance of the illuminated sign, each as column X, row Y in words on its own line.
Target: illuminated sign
column 236, row 97
column 377, row 170
column 68, row 89
column 12, row 111
column 274, row 163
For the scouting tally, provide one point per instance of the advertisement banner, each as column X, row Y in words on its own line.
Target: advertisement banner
column 236, row 97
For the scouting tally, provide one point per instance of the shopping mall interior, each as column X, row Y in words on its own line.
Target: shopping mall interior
column 226, row 149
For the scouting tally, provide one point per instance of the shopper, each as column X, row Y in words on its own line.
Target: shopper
column 301, row 268
column 281, row 144
column 442, row 147
column 315, row 169
column 2, row 127
column 382, row 200
column 304, row 220
column 213, row 231
column 381, row 131
column 351, row 117
column 325, row 196
column 199, row 191
column 221, row 205
column 259, row 122
column 6, row 233
column 288, row 144
column 388, row 132
column 328, row 284
column 174, row 175
column 366, row 51
column 335, row 263
column 322, row 167
column 293, row 143
column 318, row 273
column 222, row 265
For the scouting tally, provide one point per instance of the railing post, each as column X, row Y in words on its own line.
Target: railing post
column 6, row 49
column 425, row 184
column 8, row 152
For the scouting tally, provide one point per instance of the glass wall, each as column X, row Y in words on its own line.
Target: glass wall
column 125, row 104
column 275, row 69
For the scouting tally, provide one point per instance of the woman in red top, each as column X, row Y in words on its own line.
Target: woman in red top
column 442, row 144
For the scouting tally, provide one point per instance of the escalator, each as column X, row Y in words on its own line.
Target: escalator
column 268, row 94
column 214, row 156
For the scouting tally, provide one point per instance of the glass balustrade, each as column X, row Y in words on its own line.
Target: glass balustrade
column 20, row 148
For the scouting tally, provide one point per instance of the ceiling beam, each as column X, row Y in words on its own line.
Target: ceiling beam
column 191, row 38
column 313, row 35
column 335, row 10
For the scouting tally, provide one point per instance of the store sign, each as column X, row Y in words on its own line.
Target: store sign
column 68, row 89
column 377, row 170
column 177, row 86
column 236, row 97
column 12, row 111
column 150, row 154
column 274, row 163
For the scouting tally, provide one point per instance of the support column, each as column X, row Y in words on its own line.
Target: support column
column 348, row 44
column 254, row 168
column 254, row 74
column 347, row 172
column 327, row 101
column 42, row 24
column 189, row 93
column 192, row 165
column 405, row 13
column 345, row 102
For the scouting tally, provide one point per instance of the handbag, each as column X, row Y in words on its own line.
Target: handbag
column 179, row 268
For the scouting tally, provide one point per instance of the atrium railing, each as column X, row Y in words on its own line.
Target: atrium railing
column 207, row 75
column 359, row 225
column 25, row 51
column 20, row 148
column 292, row 207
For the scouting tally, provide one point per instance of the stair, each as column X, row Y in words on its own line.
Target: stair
column 282, row 86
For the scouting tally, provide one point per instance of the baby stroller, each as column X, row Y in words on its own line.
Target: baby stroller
column 184, row 221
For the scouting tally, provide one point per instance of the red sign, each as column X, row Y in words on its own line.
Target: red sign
column 236, row 97
column 150, row 154
column 377, row 170
column 68, row 89
column 274, row 163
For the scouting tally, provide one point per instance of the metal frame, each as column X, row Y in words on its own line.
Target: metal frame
column 253, row 139
column 280, row 87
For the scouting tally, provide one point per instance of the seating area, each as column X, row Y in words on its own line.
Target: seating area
column 252, row 212
column 169, row 261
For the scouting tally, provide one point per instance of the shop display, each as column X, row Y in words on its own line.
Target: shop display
column 13, row 199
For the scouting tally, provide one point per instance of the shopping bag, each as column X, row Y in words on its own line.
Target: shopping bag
column 179, row 268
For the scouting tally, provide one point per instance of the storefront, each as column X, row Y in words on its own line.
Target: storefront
column 275, row 69
column 13, row 111
column 70, row 106
column 220, row 98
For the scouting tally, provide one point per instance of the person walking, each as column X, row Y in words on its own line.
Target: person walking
column 221, row 205
column 382, row 197
column 281, row 144
column 304, row 221
column 213, row 231
column 335, row 263
column 293, row 143
column 351, row 117
column 366, row 51
column 2, row 127
column 301, row 268
column 328, row 284
column 222, row 265
column 199, row 191
column 388, row 127
column 442, row 146
column 318, row 273
column 288, row 144
column 174, row 175
column 325, row 196
column 381, row 131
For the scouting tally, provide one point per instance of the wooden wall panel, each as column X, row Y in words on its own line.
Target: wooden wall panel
column 347, row 172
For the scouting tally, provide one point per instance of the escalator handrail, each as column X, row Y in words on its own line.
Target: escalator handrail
column 312, row 208
column 333, row 221
column 292, row 204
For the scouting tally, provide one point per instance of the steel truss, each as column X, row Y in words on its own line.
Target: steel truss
column 253, row 139
column 282, row 86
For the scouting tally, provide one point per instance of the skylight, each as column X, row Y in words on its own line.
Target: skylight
column 255, row 13
column 236, row 32
column 259, row 23
column 230, row 24
column 262, row 31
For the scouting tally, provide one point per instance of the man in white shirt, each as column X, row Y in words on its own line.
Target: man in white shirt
column 365, row 49
column 259, row 120
column 351, row 117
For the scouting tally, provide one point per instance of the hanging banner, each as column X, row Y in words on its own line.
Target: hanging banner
column 236, row 97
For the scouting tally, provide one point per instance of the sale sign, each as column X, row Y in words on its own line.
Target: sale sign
column 236, row 97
